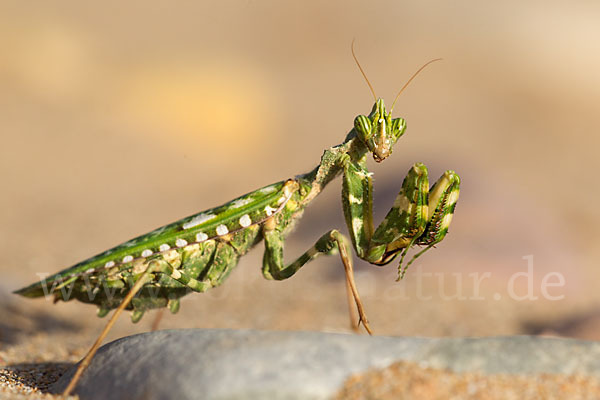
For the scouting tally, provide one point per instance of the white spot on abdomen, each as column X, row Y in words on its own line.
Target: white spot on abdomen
column 109, row 264
column 146, row 253
column 164, row 247
column 201, row 237
column 181, row 243
column 245, row 221
column 222, row 230
column 127, row 259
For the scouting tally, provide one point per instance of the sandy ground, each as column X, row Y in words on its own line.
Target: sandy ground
column 410, row 381
column 114, row 123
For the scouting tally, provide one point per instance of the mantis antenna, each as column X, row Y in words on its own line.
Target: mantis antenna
column 410, row 80
column 362, row 71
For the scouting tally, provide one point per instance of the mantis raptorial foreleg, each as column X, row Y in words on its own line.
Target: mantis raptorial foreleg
column 274, row 267
column 416, row 217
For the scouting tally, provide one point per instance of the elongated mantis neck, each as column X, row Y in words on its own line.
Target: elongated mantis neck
column 331, row 164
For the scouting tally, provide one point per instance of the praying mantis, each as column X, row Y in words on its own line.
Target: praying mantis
column 198, row 252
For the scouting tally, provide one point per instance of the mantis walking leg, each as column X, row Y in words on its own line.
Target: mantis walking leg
column 274, row 267
column 90, row 354
column 154, row 266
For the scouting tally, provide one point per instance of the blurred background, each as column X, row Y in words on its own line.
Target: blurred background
column 117, row 118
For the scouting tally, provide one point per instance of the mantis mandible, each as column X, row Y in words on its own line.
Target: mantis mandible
column 198, row 252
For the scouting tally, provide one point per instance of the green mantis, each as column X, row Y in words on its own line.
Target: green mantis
column 198, row 252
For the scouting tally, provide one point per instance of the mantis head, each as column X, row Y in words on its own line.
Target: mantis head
column 379, row 132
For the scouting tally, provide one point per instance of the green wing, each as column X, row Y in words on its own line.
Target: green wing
column 249, row 209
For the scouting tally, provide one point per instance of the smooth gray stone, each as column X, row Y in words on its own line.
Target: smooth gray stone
column 244, row 364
